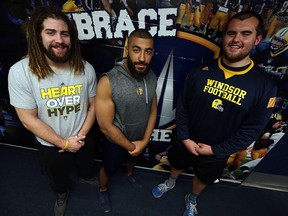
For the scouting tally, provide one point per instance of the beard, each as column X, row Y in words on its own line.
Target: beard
column 138, row 74
column 235, row 57
column 53, row 56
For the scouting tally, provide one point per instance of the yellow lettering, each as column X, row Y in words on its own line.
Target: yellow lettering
column 224, row 95
column 45, row 94
column 225, row 87
column 231, row 89
column 210, row 82
column 210, row 90
column 55, row 92
column 64, row 91
column 220, row 92
column 225, row 91
column 205, row 88
column 229, row 96
column 233, row 99
column 215, row 91
column 78, row 87
column 238, row 101
column 220, row 85
column 71, row 90
column 236, row 91
column 242, row 94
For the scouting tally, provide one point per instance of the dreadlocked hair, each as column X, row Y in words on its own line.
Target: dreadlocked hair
column 37, row 59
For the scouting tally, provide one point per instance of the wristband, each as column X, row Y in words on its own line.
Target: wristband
column 66, row 144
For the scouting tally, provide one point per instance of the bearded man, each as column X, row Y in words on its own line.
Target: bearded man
column 53, row 91
column 223, row 107
column 126, row 110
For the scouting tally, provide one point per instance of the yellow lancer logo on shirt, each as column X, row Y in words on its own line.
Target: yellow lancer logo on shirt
column 140, row 91
column 271, row 102
column 205, row 68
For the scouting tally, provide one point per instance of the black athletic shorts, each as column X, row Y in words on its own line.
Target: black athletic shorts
column 206, row 168
column 114, row 156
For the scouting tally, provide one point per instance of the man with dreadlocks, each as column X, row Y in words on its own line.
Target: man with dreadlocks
column 53, row 91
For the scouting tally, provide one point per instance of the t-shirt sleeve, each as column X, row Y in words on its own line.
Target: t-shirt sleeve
column 20, row 87
column 182, row 115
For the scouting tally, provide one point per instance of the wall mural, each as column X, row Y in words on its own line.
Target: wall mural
column 186, row 34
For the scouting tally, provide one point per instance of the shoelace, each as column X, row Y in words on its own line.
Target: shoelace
column 192, row 208
column 163, row 187
column 61, row 199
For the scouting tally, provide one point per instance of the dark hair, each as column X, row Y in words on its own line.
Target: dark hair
column 37, row 60
column 140, row 33
column 243, row 15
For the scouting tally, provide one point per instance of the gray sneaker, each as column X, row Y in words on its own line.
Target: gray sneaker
column 230, row 175
column 160, row 189
column 190, row 207
column 60, row 204
column 93, row 181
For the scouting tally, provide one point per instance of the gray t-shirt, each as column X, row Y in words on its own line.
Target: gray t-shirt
column 61, row 99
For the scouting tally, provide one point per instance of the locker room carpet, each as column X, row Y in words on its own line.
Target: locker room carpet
column 24, row 191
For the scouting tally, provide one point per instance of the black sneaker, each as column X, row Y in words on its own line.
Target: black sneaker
column 60, row 204
column 104, row 201
column 135, row 183
column 92, row 181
